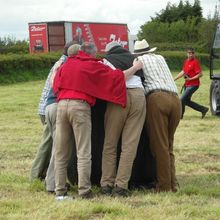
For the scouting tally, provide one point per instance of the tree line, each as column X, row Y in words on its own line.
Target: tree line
column 9, row 44
column 182, row 23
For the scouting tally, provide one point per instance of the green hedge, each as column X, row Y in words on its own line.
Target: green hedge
column 18, row 49
column 175, row 59
column 181, row 46
column 26, row 67
column 24, row 62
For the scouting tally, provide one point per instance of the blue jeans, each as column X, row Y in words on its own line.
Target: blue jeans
column 186, row 100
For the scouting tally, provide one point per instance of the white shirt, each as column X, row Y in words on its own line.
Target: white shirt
column 47, row 87
column 132, row 82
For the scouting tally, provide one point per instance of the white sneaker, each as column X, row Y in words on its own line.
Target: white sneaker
column 61, row 198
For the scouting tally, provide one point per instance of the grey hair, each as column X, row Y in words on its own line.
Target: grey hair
column 67, row 45
column 89, row 48
column 73, row 50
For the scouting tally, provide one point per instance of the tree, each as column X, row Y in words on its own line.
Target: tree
column 9, row 44
column 182, row 24
column 182, row 11
column 197, row 9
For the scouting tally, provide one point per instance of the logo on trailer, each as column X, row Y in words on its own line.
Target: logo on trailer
column 121, row 42
column 37, row 28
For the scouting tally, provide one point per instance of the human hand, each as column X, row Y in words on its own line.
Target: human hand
column 137, row 64
column 186, row 77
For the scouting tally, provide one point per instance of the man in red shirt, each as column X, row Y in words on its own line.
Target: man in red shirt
column 78, row 83
column 191, row 72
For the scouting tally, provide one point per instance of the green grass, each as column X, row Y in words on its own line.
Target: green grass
column 197, row 151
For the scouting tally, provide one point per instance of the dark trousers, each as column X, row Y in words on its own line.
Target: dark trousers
column 162, row 119
column 186, row 100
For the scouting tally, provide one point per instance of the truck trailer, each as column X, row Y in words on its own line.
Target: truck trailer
column 52, row 36
column 215, row 73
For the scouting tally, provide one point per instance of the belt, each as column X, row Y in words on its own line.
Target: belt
column 162, row 90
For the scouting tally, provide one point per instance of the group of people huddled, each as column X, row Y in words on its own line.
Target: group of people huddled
column 138, row 89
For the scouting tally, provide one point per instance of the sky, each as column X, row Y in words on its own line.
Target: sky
column 16, row 14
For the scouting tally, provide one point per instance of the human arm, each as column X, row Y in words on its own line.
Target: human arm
column 107, row 63
column 179, row 75
column 137, row 65
column 197, row 71
column 55, row 69
column 194, row 77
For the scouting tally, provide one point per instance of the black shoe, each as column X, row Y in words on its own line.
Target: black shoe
column 204, row 112
column 87, row 195
column 67, row 185
column 120, row 192
column 106, row 190
column 50, row 192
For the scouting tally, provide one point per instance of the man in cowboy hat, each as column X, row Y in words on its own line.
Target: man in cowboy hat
column 163, row 113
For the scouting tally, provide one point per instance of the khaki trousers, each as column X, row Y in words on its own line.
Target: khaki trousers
column 127, row 123
column 73, row 116
column 50, row 117
column 42, row 157
column 162, row 119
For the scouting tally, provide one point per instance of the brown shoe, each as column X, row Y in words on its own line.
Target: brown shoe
column 158, row 189
column 175, row 187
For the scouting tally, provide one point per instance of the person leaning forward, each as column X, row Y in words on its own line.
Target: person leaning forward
column 78, row 83
column 43, row 155
column 163, row 113
column 51, row 113
column 125, row 122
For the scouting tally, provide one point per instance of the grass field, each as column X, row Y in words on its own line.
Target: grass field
column 197, row 151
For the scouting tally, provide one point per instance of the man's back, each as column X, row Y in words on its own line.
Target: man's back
column 157, row 73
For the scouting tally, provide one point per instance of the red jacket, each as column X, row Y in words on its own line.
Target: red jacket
column 86, row 74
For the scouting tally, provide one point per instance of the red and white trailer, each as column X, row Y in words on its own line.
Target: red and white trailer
column 52, row 36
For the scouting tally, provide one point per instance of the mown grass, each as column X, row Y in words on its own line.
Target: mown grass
column 197, row 150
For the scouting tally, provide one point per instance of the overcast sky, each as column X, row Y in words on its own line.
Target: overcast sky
column 16, row 14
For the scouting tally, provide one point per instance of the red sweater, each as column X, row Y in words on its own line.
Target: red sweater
column 85, row 74
column 192, row 67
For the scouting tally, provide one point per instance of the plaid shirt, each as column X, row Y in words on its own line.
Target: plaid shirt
column 157, row 73
column 47, row 87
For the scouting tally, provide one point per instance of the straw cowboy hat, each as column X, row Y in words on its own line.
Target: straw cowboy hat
column 142, row 47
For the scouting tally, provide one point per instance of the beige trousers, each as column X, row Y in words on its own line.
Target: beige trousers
column 127, row 123
column 50, row 115
column 162, row 119
column 73, row 116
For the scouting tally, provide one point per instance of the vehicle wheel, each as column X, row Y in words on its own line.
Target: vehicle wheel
column 215, row 97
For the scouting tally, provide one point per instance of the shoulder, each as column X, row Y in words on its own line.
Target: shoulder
column 158, row 56
column 196, row 60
